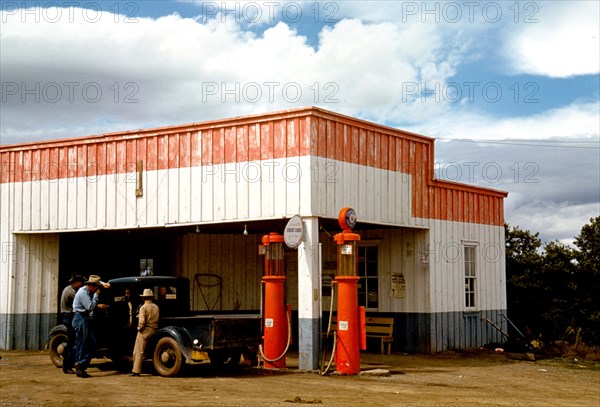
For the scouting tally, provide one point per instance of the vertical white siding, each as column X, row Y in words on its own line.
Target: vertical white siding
column 216, row 193
column 29, row 291
column 398, row 252
column 7, row 261
column 446, row 259
column 379, row 196
column 312, row 164
column 234, row 258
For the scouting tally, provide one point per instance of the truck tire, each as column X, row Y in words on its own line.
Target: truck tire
column 168, row 357
column 57, row 345
column 250, row 358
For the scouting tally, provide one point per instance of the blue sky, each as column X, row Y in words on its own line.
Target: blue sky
column 509, row 89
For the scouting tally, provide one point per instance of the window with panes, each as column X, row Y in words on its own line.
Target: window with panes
column 368, row 285
column 470, row 276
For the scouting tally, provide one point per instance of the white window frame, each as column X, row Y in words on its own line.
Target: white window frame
column 470, row 276
column 360, row 273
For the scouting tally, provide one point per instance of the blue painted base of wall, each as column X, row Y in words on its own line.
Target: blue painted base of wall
column 413, row 332
column 435, row 332
column 456, row 330
column 25, row 331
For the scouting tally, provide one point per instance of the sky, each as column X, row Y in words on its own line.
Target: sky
column 510, row 90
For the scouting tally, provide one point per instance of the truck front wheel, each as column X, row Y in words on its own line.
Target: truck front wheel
column 57, row 346
column 168, row 357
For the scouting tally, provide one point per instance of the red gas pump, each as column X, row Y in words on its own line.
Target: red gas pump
column 277, row 328
column 351, row 332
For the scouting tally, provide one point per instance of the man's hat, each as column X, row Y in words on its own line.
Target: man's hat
column 94, row 280
column 76, row 277
column 147, row 293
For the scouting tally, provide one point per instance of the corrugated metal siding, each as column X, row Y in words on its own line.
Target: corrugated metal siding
column 188, row 195
column 90, row 183
column 378, row 196
column 438, row 287
column 464, row 330
column 6, row 268
column 453, row 325
column 198, row 175
column 398, row 253
column 432, row 316
column 29, row 291
column 385, row 158
column 235, row 259
column 446, row 265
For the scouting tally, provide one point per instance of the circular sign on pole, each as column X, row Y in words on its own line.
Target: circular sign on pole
column 347, row 218
column 293, row 233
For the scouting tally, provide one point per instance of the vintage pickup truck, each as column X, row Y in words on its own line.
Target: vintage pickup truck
column 182, row 336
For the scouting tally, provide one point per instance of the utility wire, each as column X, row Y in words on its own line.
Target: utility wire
column 530, row 143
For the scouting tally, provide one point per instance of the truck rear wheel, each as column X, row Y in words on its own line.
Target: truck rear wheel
column 168, row 357
column 57, row 346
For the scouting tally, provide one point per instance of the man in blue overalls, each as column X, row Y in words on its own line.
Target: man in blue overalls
column 84, row 303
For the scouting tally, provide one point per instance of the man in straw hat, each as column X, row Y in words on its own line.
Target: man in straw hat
column 66, row 309
column 86, row 300
column 147, row 325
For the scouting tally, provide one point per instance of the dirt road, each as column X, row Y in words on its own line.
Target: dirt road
column 481, row 378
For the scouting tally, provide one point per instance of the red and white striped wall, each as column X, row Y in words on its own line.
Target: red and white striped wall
column 308, row 161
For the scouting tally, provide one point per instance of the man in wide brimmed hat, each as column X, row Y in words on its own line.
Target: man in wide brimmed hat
column 84, row 303
column 66, row 309
column 147, row 325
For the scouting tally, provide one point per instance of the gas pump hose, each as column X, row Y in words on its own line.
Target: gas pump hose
column 287, row 346
column 323, row 372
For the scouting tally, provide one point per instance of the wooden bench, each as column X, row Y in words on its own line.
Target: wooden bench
column 377, row 327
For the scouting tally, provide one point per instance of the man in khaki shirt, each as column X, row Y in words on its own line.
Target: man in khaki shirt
column 147, row 325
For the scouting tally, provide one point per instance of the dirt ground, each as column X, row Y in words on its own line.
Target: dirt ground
column 475, row 378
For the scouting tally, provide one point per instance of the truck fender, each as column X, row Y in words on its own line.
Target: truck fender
column 179, row 334
column 56, row 329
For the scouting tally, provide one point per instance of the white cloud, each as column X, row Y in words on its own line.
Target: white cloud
column 174, row 70
column 107, row 75
column 555, row 221
column 558, row 39
column 564, row 40
column 577, row 120
column 553, row 188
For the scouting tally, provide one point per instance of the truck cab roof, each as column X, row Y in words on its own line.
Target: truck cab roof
column 171, row 294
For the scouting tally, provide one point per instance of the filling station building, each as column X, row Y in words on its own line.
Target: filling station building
column 195, row 200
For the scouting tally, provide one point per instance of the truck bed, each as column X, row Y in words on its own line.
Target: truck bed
column 221, row 331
